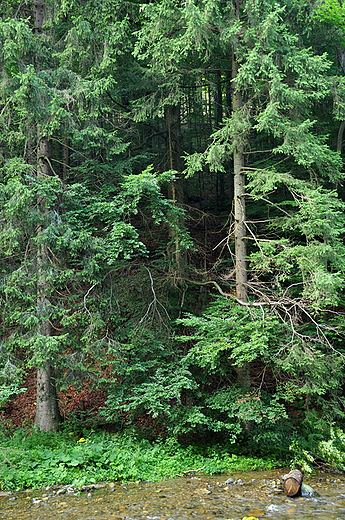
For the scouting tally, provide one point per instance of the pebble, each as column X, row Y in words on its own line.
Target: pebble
column 12, row 499
column 272, row 507
column 255, row 513
column 203, row 491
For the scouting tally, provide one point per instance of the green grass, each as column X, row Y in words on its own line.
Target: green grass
column 30, row 459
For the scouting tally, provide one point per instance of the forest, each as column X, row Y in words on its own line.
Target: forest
column 172, row 223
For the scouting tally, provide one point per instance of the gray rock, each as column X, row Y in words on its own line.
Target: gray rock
column 272, row 507
column 307, row 491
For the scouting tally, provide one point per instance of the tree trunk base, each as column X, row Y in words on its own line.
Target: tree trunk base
column 48, row 416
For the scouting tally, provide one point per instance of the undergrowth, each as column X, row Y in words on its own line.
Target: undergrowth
column 31, row 459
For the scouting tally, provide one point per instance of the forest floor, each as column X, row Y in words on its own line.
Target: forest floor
column 21, row 410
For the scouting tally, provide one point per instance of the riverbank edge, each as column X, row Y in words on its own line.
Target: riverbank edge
column 35, row 460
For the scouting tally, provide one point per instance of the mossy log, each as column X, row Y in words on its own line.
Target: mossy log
column 293, row 482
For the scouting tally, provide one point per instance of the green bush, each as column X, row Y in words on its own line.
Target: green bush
column 32, row 459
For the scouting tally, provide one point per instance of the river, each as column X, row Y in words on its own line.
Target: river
column 256, row 494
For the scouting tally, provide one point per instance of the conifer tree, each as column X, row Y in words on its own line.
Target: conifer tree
column 272, row 137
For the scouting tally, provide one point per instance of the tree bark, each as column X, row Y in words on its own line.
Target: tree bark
column 66, row 160
column 39, row 15
column 176, row 192
column 239, row 204
column 172, row 116
column 340, row 137
column 218, row 99
column 243, row 372
column 47, row 410
column 228, row 94
column 221, row 201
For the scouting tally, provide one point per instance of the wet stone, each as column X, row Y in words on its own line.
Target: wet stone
column 256, row 513
column 183, row 500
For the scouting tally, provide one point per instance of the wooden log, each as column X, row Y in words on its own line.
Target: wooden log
column 293, row 482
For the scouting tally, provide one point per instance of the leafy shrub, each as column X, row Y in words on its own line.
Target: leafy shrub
column 333, row 449
column 32, row 459
column 8, row 391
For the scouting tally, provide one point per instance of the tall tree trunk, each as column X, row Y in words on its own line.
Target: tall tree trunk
column 176, row 192
column 174, row 144
column 39, row 15
column 243, row 372
column 239, row 204
column 47, row 410
column 228, row 93
column 66, row 160
column 218, row 99
column 340, row 137
column 218, row 121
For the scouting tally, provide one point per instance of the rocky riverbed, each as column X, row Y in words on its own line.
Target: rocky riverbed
column 246, row 495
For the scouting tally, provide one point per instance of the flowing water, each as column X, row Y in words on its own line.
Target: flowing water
column 257, row 494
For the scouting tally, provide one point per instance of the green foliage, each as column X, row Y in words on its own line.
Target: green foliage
column 162, row 389
column 30, row 459
column 333, row 450
column 228, row 334
column 332, row 12
column 326, row 443
column 8, row 391
column 182, row 398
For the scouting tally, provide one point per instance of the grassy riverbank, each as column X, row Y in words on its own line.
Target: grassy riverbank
column 32, row 459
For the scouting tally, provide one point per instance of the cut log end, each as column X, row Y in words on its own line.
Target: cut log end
column 293, row 482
